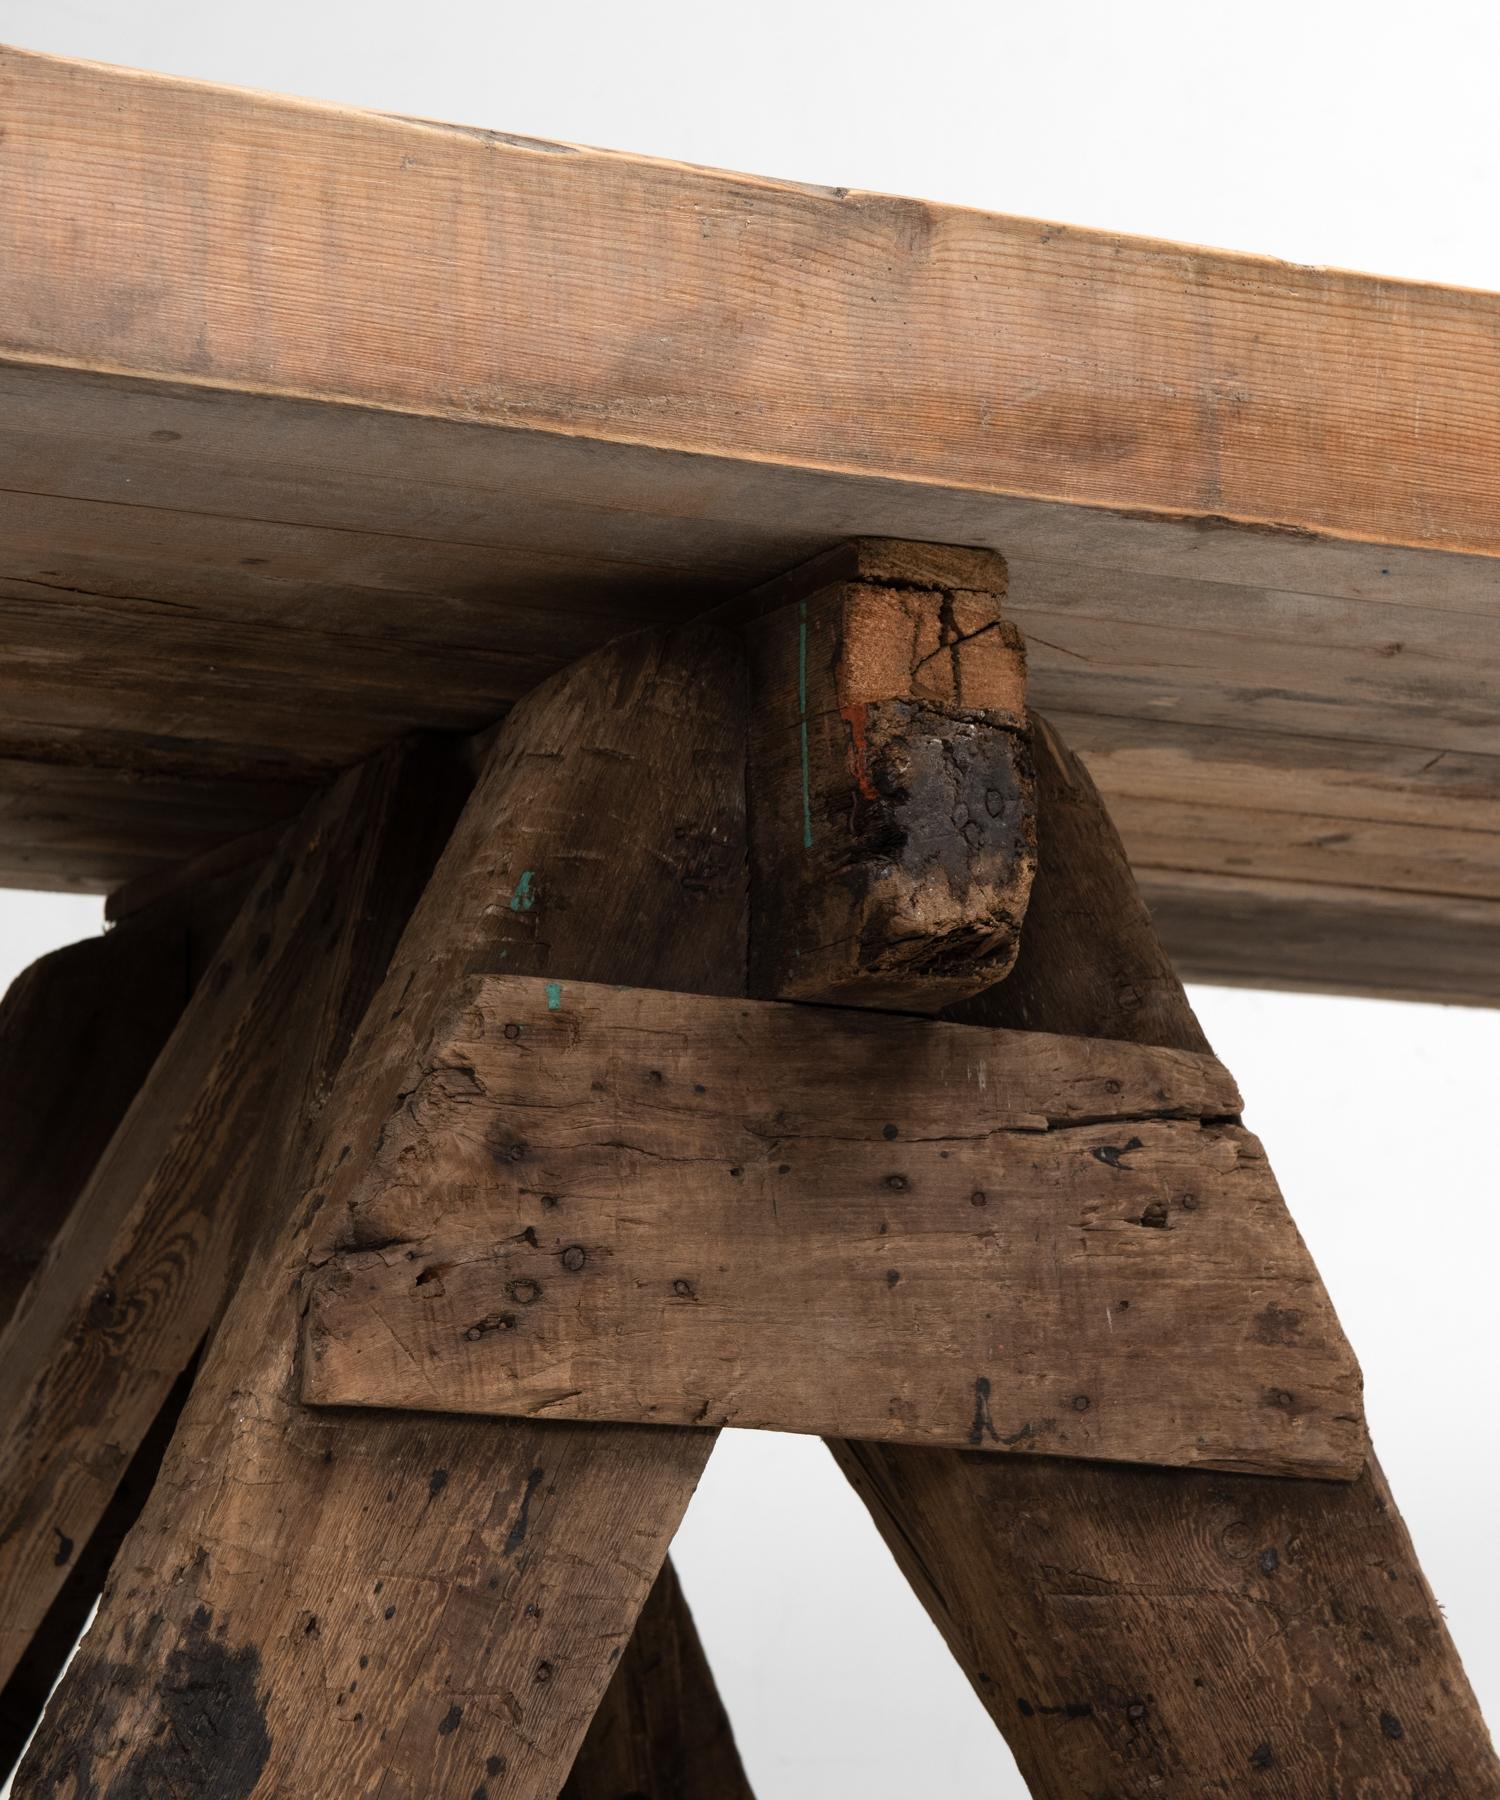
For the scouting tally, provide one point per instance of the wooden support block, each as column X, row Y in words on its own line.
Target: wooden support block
column 890, row 790
column 316, row 1605
column 1143, row 1632
column 661, row 1729
column 140, row 1269
column 607, row 1203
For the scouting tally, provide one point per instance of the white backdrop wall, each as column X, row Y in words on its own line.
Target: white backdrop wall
column 1346, row 132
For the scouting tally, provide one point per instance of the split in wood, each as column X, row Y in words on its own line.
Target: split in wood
column 606, row 1203
column 892, row 824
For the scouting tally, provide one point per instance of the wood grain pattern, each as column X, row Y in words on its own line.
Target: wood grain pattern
column 1142, row 1632
column 661, row 1730
column 891, row 816
column 612, row 1204
column 137, row 1272
column 417, row 1604
column 462, row 414
column 973, row 351
column 79, row 1030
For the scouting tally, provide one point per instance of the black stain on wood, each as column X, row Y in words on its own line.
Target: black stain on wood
column 517, row 1533
column 1110, row 1154
column 448, row 1724
column 1278, row 1325
column 1269, row 1561
column 1261, row 1757
column 210, row 1736
column 983, row 1424
column 1391, row 1725
column 436, row 1482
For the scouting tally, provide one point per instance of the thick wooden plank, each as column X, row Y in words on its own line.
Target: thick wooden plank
column 136, row 1274
column 1144, row 1632
column 419, row 1604
column 233, row 413
column 661, row 1730
column 891, row 819
column 974, row 352
column 828, row 1221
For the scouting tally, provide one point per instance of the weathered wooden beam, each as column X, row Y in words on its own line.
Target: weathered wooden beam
column 79, row 1030
column 891, row 820
column 661, row 1730
column 322, row 1606
column 1146, row 1632
column 140, row 1268
column 820, row 1220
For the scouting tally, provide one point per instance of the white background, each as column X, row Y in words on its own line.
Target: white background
column 1347, row 132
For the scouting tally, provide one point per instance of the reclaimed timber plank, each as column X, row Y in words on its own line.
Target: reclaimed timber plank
column 825, row 1220
column 1143, row 1631
column 137, row 1272
column 461, row 413
column 422, row 1604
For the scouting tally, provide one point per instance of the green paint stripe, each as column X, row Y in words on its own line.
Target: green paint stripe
column 802, row 709
column 522, row 900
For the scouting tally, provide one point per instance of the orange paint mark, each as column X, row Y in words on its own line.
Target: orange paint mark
column 854, row 717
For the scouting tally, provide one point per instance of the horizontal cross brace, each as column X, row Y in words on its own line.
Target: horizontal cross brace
column 607, row 1203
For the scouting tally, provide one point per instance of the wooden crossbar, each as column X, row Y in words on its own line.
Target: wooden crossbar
column 618, row 1204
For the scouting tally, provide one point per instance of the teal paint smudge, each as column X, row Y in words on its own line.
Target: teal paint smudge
column 523, row 899
column 554, row 995
column 802, row 724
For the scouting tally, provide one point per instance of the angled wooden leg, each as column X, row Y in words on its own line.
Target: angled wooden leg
column 321, row 1606
column 138, row 1271
column 78, row 1032
column 661, row 1728
column 1144, row 1632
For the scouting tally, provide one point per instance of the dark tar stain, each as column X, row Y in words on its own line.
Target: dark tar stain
column 448, row 1724
column 983, row 1425
column 1110, row 1154
column 517, row 1533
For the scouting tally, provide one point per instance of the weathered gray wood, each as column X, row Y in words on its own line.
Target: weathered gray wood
column 1139, row 1632
column 661, row 1730
column 606, row 1203
column 416, row 1605
column 141, row 1267
column 890, row 800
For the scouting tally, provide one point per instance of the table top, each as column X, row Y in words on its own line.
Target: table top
column 319, row 425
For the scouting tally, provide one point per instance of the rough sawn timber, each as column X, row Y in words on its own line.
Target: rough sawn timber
column 825, row 1220
column 283, row 475
column 661, row 1730
column 1144, row 1632
column 413, row 1603
column 138, row 1271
